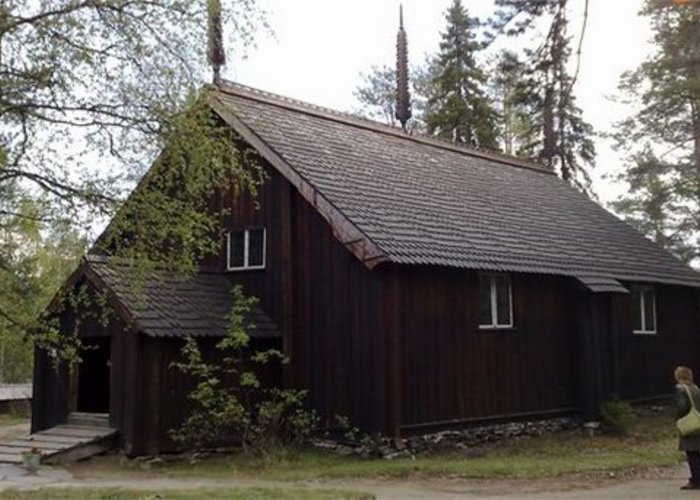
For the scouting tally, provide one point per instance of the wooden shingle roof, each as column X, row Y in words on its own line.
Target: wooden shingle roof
column 390, row 197
column 162, row 303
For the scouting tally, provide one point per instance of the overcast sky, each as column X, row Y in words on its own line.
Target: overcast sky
column 320, row 47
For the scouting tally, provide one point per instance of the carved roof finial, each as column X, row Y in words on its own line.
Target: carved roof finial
column 403, row 95
column 215, row 45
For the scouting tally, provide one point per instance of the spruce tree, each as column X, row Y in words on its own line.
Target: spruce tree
column 458, row 108
column 512, row 97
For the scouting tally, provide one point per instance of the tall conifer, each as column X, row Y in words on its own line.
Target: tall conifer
column 563, row 137
column 663, row 137
column 458, row 108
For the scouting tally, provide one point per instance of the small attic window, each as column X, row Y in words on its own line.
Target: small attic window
column 644, row 310
column 245, row 249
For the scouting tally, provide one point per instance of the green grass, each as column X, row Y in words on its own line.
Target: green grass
column 195, row 494
column 651, row 443
column 7, row 419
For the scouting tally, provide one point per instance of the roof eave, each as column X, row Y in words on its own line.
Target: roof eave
column 84, row 270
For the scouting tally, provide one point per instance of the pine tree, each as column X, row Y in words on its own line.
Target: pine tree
column 511, row 95
column 652, row 204
column 563, row 140
column 667, row 88
column 458, row 108
column 376, row 95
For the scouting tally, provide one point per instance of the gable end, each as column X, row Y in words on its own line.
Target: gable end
column 349, row 235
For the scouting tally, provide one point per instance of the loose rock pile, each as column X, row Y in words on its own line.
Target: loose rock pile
column 444, row 441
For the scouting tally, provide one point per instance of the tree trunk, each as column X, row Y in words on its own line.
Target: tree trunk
column 696, row 139
column 695, row 116
column 549, row 149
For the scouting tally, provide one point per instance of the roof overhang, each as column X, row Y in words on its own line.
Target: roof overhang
column 601, row 284
column 145, row 306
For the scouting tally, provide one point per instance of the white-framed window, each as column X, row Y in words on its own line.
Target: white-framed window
column 495, row 301
column 245, row 249
column 644, row 310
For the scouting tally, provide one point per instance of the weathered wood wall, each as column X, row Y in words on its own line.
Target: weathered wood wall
column 325, row 302
column 337, row 336
column 161, row 397
column 365, row 342
column 50, row 393
column 56, row 390
column 452, row 370
column 646, row 362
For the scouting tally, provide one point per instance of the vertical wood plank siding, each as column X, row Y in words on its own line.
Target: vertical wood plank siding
column 327, row 305
column 53, row 394
column 345, row 320
column 647, row 361
column 452, row 370
column 163, row 391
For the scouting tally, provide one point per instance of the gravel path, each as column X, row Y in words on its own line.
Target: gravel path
column 665, row 487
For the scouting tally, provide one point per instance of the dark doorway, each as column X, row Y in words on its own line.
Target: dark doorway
column 93, row 376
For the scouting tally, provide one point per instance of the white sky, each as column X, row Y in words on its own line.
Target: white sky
column 320, row 47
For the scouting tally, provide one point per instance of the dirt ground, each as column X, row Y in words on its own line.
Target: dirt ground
column 17, row 430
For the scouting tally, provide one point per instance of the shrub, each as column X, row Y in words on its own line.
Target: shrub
column 616, row 417
column 267, row 421
column 279, row 423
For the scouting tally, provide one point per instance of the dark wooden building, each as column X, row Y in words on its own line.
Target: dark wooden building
column 414, row 285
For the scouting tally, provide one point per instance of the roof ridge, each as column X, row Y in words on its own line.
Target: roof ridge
column 264, row 96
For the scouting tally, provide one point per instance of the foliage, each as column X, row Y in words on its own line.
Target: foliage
column 616, row 417
column 90, row 91
column 510, row 92
column 563, row 140
column 526, row 108
column 68, row 66
column 653, row 205
column 377, row 95
column 170, row 219
column 229, row 400
column 33, row 262
column 664, row 199
column 458, row 109
column 448, row 89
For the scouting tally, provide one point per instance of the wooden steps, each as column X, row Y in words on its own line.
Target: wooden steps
column 83, row 435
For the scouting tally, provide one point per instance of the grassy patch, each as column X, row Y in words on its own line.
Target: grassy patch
column 650, row 443
column 195, row 494
column 7, row 419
